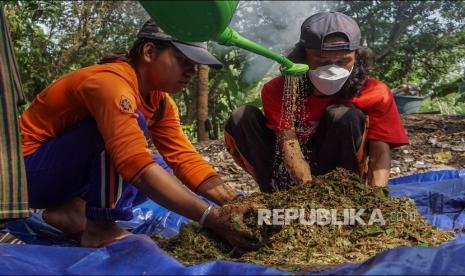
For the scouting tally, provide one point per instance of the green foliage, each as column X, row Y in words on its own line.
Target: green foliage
column 52, row 38
column 456, row 85
column 228, row 88
column 452, row 104
column 418, row 42
column 191, row 131
column 227, row 91
column 448, row 97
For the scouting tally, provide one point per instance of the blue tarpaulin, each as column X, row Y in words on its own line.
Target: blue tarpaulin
column 440, row 197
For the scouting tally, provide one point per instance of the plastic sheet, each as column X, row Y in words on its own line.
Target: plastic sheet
column 440, row 197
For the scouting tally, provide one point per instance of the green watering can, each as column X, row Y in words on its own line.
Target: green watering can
column 197, row 21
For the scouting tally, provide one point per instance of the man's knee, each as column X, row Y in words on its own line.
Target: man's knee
column 343, row 115
column 244, row 116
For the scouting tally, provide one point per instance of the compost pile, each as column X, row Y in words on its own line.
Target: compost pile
column 297, row 246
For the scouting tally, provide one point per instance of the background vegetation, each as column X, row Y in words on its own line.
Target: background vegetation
column 418, row 42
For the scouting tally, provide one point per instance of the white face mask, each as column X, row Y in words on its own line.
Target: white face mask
column 329, row 79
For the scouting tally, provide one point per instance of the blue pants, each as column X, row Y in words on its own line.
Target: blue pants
column 75, row 164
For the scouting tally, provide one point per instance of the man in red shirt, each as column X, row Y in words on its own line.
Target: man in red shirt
column 85, row 144
column 341, row 114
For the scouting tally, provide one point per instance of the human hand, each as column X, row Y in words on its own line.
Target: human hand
column 228, row 222
column 217, row 191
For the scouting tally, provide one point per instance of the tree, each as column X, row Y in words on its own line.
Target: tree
column 52, row 38
column 202, row 107
column 415, row 41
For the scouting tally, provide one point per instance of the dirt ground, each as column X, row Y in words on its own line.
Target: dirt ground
column 437, row 142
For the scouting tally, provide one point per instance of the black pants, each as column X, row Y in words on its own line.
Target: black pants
column 338, row 142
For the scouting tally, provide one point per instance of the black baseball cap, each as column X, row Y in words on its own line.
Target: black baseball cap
column 197, row 52
column 319, row 26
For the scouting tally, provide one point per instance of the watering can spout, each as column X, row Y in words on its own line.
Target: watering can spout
column 230, row 37
column 195, row 21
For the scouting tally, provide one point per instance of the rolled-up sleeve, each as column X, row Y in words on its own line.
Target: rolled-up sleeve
column 177, row 150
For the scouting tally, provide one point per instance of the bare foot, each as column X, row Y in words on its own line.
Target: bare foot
column 98, row 233
column 69, row 217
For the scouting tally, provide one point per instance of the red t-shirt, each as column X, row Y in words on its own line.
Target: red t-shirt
column 375, row 101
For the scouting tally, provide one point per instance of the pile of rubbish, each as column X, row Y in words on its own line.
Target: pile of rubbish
column 407, row 89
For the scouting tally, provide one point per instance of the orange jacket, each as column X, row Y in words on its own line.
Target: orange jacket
column 109, row 93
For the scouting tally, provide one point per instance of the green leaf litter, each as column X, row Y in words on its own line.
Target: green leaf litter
column 297, row 246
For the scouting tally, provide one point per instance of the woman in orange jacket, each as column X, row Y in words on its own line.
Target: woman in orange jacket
column 86, row 152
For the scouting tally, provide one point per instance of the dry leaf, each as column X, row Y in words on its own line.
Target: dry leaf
column 442, row 156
